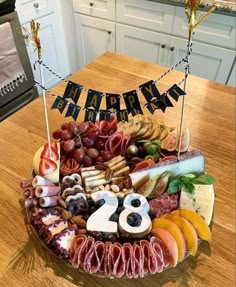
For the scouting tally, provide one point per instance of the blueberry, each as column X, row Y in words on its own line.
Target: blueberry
column 120, row 201
column 114, row 217
column 100, row 202
column 135, row 202
column 152, row 214
column 90, row 202
column 111, row 237
column 130, row 220
column 119, row 209
column 137, row 222
column 92, row 209
column 97, row 235
column 136, row 216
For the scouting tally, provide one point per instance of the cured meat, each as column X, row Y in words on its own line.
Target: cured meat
column 163, row 204
column 117, row 143
column 161, row 252
column 76, row 245
column 150, row 260
column 47, row 190
column 69, row 166
column 39, row 180
column 118, row 260
column 138, row 261
column 94, row 257
column 48, row 201
column 84, row 251
column 124, row 144
column 144, row 164
column 104, row 268
column 129, row 260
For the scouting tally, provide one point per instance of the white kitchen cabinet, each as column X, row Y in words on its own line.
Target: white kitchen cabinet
column 145, row 14
column 97, row 8
column 207, row 61
column 146, row 45
column 94, row 37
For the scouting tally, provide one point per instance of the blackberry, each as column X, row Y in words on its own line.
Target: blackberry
column 135, row 202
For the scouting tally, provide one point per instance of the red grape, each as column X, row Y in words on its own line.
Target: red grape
column 83, row 127
column 92, row 152
column 57, row 134
column 87, row 161
column 69, row 146
column 72, row 127
column 92, row 132
column 66, row 135
column 64, row 126
column 88, row 142
column 100, row 144
column 106, row 155
column 79, row 154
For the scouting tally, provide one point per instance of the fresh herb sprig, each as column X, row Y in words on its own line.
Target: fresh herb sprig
column 188, row 182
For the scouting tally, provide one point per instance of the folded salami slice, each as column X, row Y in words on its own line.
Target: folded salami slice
column 124, row 143
column 104, row 268
column 117, row 260
column 84, row 251
column 114, row 143
column 95, row 257
column 162, row 254
column 150, row 260
column 129, row 260
column 138, row 262
column 76, row 245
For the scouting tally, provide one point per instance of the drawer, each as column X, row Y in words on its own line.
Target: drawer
column 33, row 9
column 98, row 8
column 146, row 14
column 218, row 30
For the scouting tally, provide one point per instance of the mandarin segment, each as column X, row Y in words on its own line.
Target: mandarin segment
column 174, row 230
column 201, row 227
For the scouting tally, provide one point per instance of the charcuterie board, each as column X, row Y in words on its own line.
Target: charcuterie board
column 112, row 199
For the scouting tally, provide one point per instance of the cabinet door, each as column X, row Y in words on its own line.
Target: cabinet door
column 52, row 51
column 145, row 14
column 97, row 8
column 31, row 9
column 209, row 62
column 216, row 30
column 94, row 37
column 142, row 44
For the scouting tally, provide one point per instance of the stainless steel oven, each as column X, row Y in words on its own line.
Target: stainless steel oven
column 17, row 87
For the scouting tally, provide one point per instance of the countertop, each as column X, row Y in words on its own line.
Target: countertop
column 210, row 115
column 226, row 7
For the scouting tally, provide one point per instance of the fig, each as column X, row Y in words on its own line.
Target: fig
column 161, row 185
column 184, row 141
column 170, row 142
column 148, row 186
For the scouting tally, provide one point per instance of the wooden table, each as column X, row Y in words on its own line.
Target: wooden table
column 210, row 114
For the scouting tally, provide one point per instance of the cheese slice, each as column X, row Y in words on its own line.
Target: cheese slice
column 200, row 201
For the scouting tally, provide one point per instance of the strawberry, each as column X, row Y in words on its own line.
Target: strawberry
column 46, row 166
column 54, row 152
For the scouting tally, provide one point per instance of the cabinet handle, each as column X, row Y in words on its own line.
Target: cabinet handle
column 163, row 46
column 91, row 4
column 172, row 48
column 109, row 32
column 36, row 5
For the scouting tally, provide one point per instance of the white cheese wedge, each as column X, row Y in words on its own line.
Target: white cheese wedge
column 200, row 201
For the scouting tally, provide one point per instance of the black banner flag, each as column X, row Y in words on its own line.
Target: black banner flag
column 90, row 115
column 73, row 111
column 132, row 103
column 122, row 115
column 94, row 99
column 175, row 91
column 60, row 104
column 150, row 91
column 73, row 91
column 113, row 102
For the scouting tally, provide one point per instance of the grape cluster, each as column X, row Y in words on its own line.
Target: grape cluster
column 83, row 142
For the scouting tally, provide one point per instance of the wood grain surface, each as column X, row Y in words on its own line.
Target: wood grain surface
column 210, row 115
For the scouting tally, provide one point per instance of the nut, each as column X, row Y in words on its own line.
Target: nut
column 128, row 191
column 108, row 174
column 79, row 221
column 62, row 203
column 66, row 214
column 120, row 194
column 74, row 226
column 81, row 231
column 115, row 188
column 107, row 187
column 101, row 166
column 101, row 187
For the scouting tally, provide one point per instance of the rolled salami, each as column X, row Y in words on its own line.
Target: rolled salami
column 39, row 180
column 48, row 201
column 47, row 190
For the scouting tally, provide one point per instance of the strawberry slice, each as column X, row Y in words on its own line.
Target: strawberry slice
column 54, row 152
column 46, row 166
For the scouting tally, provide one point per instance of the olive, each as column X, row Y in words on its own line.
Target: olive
column 151, row 149
column 132, row 150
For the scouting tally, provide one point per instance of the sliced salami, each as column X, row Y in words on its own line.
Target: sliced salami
column 77, row 242
column 84, row 251
column 138, row 262
column 95, row 257
column 118, row 260
column 129, row 260
column 161, row 252
column 104, row 268
column 163, row 204
column 150, row 260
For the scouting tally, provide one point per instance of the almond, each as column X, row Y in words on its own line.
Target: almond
column 79, row 221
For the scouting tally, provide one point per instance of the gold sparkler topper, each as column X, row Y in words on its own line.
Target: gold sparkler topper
column 191, row 10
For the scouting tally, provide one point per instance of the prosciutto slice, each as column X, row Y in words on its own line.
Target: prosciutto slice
column 39, row 180
column 47, row 190
column 138, row 262
column 161, row 252
column 116, row 260
column 84, row 251
column 124, row 144
column 95, row 257
column 104, row 268
column 129, row 260
column 76, row 245
column 150, row 260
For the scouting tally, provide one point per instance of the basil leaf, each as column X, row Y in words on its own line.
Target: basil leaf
column 174, row 186
column 203, row 179
column 189, row 187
